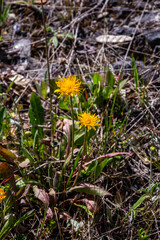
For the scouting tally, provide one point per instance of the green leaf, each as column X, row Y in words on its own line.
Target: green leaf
column 79, row 137
column 7, row 226
column 55, row 41
column 28, row 155
column 60, row 151
column 91, row 168
column 107, row 91
column 22, row 183
column 96, row 78
column 121, row 84
column 65, row 35
column 157, row 164
column 35, row 140
column 85, row 208
column 110, row 79
column 24, row 217
column 135, row 72
column 21, row 237
column 100, row 167
column 70, row 35
column 36, row 115
column 140, row 200
column 49, row 28
column 2, row 116
column 64, row 104
column 75, row 164
column 12, row 223
column 43, row 89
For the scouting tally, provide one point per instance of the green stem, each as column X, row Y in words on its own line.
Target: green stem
column 150, row 177
column 113, row 104
column 72, row 127
column 42, row 225
column 2, row 215
column 85, row 144
column 83, row 154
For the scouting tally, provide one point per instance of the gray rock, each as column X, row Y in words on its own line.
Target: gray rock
column 127, row 65
column 125, row 30
column 157, row 48
column 24, row 47
column 149, row 18
column 153, row 38
column 123, row 12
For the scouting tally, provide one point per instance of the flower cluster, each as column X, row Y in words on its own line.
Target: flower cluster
column 68, row 86
column 2, row 194
column 71, row 86
column 88, row 120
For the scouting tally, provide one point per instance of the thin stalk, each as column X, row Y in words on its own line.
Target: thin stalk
column 113, row 104
column 2, row 215
column 21, row 123
column 44, row 219
column 85, row 144
column 150, row 177
column 72, row 126
column 49, row 79
column 83, row 154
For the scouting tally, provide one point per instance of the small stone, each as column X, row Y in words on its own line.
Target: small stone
column 17, row 28
column 157, row 48
column 102, row 15
column 123, row 12
column 24, row 47
column 125, row 30
column 153, row 38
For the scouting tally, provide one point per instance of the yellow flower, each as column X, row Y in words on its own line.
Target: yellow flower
column 2, row 194
column 88, row 120
column 152, row 148
column 68, row 86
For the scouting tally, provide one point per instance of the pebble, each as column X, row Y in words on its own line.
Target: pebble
column 153, row 38
column 24, row 47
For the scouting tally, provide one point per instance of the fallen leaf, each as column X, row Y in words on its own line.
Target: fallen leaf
column 49, row 214
column 41, row 195
column 7, row 154
column 52, row 197
column 113, row 38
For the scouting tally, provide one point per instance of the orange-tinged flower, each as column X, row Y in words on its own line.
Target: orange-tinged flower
column 2, row 194
column 88, row 120
column 68, row 86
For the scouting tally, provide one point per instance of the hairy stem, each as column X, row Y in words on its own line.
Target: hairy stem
column 72, row 126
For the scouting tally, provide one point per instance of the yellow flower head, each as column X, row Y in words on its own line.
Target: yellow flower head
column 2, row 194
column 88, row 120
column 68, row 86
column 152, row 148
